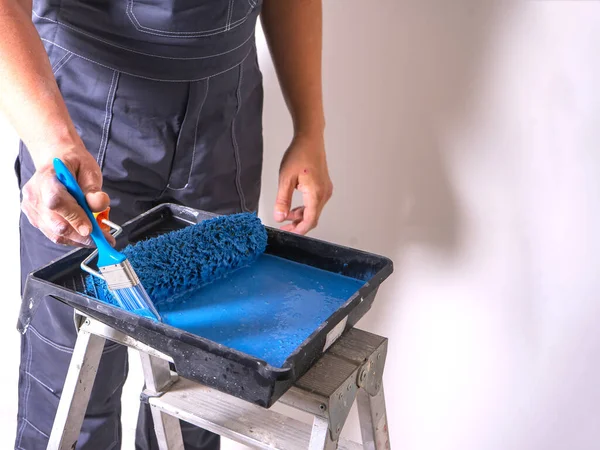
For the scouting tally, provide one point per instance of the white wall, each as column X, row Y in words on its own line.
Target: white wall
column 463, row 143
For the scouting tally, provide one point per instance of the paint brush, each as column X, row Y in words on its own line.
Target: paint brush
column 116, row 270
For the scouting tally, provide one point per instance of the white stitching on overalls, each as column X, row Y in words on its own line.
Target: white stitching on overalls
column 107, row 348
column 186, row 118
column 41, row 382
column 57, row 63
column 236, row 150
column 36, row 428
column 110, row 99
column 70, row 55
column 58, row 347
column 186, row 58
column 229, row 14
column 187, row 183
column 115, row 437
column 25, row 394
column 122, row 72
column 196, row 130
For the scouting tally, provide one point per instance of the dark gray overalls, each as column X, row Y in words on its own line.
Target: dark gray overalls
column 167, row 95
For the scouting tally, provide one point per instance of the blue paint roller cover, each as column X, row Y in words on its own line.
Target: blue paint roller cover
column 176, row 262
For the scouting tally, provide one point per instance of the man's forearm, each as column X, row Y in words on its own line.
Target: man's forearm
column 30, row 97
column 293, row 29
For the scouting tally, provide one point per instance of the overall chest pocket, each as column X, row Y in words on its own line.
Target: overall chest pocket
column 188, row 18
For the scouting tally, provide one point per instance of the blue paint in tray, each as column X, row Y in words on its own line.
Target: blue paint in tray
column 266, row 309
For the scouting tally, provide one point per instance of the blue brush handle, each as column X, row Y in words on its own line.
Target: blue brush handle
column 107, row 255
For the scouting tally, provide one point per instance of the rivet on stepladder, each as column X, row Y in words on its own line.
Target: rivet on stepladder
column 362, row 376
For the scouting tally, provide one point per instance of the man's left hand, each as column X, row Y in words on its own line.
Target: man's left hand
column 303, row 167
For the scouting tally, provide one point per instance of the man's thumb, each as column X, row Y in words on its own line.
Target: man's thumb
column 90, row 181
column 283, row 202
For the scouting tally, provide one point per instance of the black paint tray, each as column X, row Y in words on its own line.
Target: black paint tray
column 200, row 359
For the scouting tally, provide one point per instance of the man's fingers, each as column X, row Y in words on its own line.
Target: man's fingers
column 58, row 216
column 97, row 201
column 50, row 208
column 312, row 208
column 59, row 231
column 291, row 227
column 306, row 217
column 295, row 215
column 283, row 202
column 89, row 179
column 57, row 199
column 62, row 240
column 308, row 223
column 29, row 211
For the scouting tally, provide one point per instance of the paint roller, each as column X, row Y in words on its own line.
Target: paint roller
column 182, row 260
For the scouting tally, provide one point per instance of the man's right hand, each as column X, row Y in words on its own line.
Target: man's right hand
column 30, row 96
column 49, row 206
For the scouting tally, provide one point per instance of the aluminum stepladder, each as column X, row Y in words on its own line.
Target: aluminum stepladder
column 351, row 369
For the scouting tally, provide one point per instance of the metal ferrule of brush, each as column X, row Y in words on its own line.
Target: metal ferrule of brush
column 120, row 276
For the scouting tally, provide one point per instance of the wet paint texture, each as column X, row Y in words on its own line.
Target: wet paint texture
column 266, row 309
column 214, row 280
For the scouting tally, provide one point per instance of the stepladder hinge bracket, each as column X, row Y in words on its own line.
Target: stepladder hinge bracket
column 339, row 406
column 370, row 374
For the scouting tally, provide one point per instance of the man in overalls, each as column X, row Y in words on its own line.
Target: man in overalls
column 146, row 101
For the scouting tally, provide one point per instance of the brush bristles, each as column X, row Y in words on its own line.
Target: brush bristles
column 136, row 299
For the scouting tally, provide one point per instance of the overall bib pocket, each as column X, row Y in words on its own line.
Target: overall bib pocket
column 188, row 18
